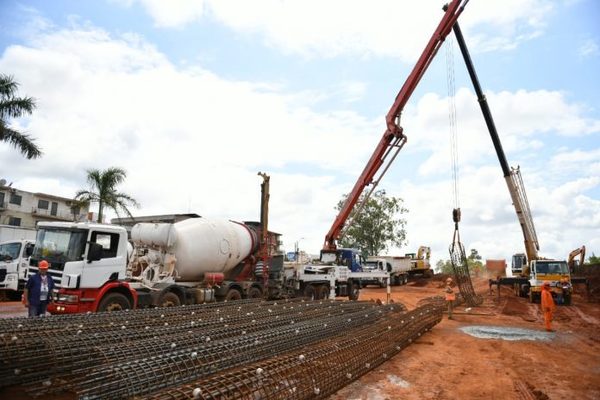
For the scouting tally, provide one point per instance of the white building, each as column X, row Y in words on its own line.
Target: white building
column 26, row 209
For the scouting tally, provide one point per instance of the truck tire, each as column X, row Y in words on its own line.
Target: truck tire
column 382, row 283
column 169, row 299
column 322, row 292
column 567, row 299
column 114, row 302
column 310, row 292
column 233, row 294
column 354, row 291
column 254, row 293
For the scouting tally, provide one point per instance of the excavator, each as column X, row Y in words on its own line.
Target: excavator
column 572, row 262
column 531, row 269
column 392, row 141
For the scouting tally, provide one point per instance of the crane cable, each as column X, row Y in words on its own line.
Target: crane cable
column 458, row 257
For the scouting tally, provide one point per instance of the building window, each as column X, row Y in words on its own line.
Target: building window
column 14, row 221
column 15, row 199
column 1, row 199
column 54, row 209
column 43, row 204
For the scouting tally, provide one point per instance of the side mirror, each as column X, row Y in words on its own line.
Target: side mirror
column 94, row 252
column 29, row 249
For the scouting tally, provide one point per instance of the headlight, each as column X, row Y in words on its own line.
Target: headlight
column 68, row 298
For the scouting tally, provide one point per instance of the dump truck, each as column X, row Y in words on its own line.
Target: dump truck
column 397, row 266
column 495, row 268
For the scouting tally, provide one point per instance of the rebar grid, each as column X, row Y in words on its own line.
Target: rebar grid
column 462, row 275
column 22, row 358
column 318, row 371
column 178, row 366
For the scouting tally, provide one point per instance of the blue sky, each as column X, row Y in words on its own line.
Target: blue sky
column 194, row 97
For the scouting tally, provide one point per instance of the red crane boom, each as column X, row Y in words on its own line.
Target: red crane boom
column 393, row 138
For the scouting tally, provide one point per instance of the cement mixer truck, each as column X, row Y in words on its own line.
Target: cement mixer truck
column 193, row 261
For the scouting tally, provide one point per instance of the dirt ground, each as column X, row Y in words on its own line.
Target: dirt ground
column 449, row 364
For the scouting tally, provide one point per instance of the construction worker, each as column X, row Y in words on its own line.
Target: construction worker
column 547, row 306
column 450, row 297
column 38, row 291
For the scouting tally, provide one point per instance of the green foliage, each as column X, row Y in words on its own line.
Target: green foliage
column 473, row 261
column 103, row 190
column 444, row 267
column 377, row 226
column 15, row 107
column 593, row 259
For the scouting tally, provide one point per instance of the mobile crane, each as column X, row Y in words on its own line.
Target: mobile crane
column 393, row 138
column 535, row 270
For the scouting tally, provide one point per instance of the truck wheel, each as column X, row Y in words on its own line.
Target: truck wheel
column 254, row 293
column 114, row 302
column 233, row 294
column 531, row 296
column 322, row 292
column 382, row 284
column 567, row 300
column 354, row 291
column 169, row 299
column 310, row 292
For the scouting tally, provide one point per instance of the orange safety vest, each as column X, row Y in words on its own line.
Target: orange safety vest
column 450, row 296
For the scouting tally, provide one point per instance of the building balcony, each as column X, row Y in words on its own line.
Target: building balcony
column 41, row 213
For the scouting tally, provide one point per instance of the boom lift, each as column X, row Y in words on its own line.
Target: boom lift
column 535, row 270
column 393, row 138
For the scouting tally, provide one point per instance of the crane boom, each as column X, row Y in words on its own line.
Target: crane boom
column 512, row 176
column 393, row 138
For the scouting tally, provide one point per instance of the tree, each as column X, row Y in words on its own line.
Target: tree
column 103, row 190
column 377, row 225
column 15, row 107
column 474, row 262
column 444, row 267
column 593, row 259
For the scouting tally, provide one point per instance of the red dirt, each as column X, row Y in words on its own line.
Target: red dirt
column 449, row 364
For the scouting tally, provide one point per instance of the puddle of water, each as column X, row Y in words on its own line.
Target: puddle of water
column 396, row 380
column 507, row 333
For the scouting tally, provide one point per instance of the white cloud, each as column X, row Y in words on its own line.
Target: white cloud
column 589, row 48
column 383, row 28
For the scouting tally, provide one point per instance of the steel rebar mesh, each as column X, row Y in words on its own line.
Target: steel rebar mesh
column 23, row 357
column 317, row 371
column 144, row 375
column 462, row 275
column 161, row 344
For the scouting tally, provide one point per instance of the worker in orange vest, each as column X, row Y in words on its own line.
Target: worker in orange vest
column 547, row 306
column 450, row 297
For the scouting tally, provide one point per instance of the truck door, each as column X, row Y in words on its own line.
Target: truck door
column 111, row 264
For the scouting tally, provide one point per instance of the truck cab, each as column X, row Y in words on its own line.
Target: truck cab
column 83, row 257
column 348, row 257
column 14, row 255
column 373, row 264
column 556, row 273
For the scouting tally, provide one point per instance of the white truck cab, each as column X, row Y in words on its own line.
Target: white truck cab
column 14, row 260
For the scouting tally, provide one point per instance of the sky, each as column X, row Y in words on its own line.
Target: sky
column 194, row 97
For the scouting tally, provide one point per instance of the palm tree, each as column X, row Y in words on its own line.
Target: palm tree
column 103, row 190
column 15, row 107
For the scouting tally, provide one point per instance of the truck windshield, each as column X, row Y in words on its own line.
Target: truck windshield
column 9, row 251
column 59, row 245
column 545, row 267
